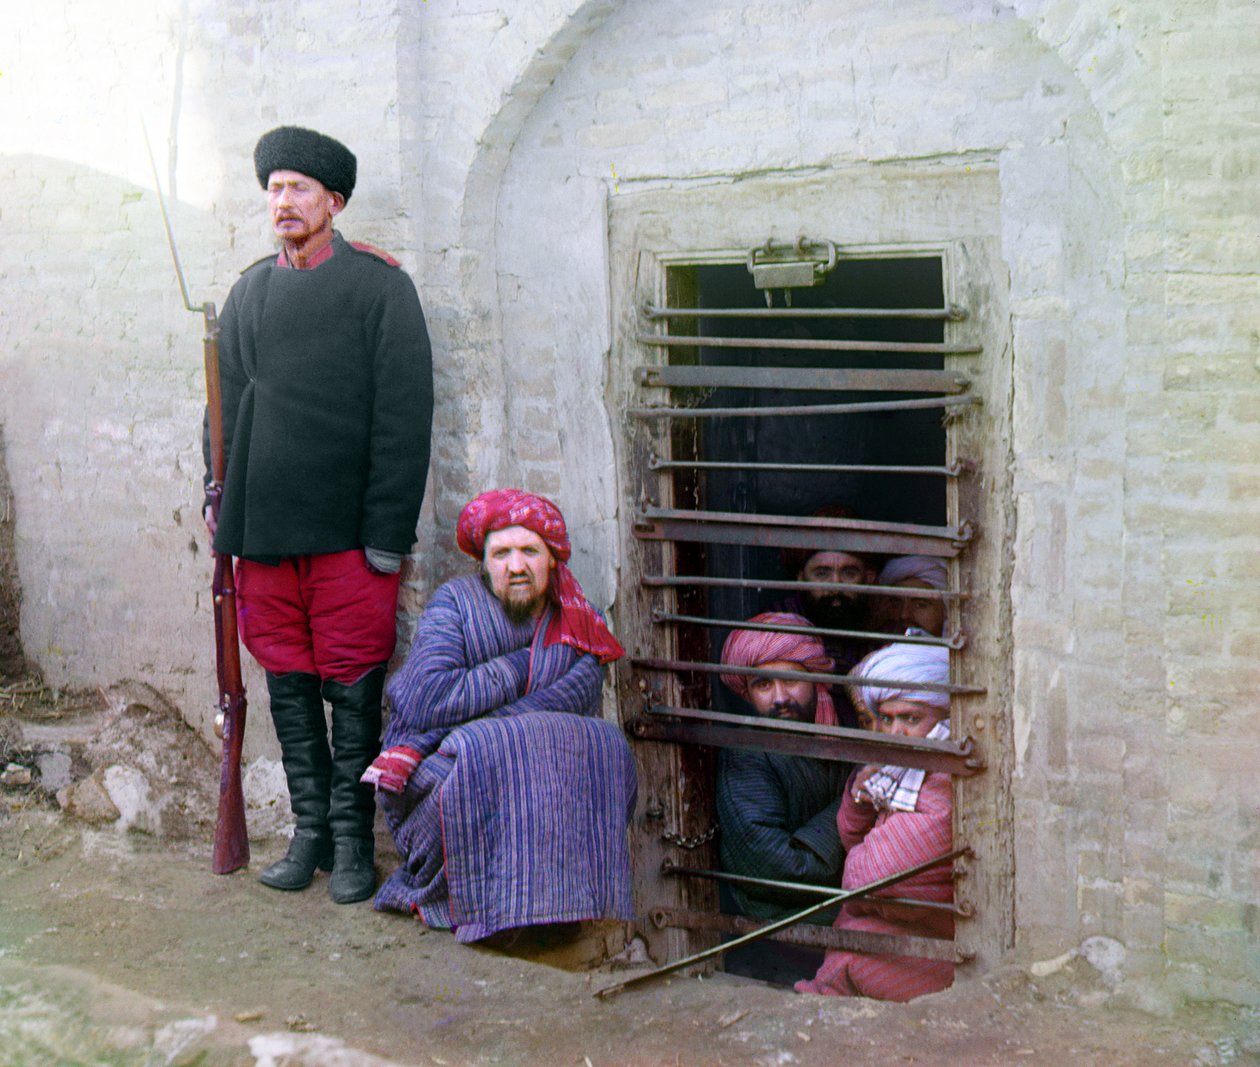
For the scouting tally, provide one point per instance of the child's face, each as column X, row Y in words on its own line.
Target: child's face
column 907, row 718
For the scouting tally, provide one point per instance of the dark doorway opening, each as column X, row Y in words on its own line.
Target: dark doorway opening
column 761, row 456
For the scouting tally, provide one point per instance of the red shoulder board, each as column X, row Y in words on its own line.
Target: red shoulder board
column 379, row 253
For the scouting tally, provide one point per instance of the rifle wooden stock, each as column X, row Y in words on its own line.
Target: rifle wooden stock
column 231, row 839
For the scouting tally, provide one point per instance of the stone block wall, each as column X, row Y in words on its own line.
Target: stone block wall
column 1205, row 501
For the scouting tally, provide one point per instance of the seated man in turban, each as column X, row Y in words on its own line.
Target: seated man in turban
column 507, row 812
column 777, row 813
column 893, row 818
column 896, row 615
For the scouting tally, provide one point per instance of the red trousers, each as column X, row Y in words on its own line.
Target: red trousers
column 328, row 615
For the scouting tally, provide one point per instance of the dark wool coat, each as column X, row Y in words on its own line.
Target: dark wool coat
column 327, row 408
column 777, row 820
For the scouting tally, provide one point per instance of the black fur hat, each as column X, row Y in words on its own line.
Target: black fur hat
column 314, row 154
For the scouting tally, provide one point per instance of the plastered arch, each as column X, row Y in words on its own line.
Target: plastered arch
column 819, row 88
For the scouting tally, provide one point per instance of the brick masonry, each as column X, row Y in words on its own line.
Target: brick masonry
column 494, row 139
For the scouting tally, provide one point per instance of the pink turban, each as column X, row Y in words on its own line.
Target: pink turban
column 577, row 624
column 753, row 648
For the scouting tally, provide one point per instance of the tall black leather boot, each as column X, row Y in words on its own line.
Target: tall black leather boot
column 356, row 742
column 297, row 710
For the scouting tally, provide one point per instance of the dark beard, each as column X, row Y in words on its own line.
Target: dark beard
column 835, row 612
column 522, row 611
column 791, row 709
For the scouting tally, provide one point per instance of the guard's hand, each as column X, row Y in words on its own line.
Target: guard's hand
column 212, row 524
column 382, row 561
column 392, row 769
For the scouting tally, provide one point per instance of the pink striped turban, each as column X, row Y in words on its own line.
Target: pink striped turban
column 577, row 623
column 753, row 648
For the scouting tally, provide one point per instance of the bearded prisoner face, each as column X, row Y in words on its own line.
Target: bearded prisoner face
column 516, row 567
column 835, row 610
column 783, row 698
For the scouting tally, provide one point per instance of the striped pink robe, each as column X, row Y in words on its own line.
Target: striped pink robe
column 877, row 847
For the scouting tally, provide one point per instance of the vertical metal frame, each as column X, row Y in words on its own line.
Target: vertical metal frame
column 672, row 779
column 983, row 811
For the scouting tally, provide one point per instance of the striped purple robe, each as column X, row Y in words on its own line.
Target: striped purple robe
column 516, row 816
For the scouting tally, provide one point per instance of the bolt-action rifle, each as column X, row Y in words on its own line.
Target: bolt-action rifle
column 231, row 841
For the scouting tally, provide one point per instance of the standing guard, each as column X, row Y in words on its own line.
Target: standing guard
column 327, row 410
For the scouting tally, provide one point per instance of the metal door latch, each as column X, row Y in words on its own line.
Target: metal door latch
column 790, row 266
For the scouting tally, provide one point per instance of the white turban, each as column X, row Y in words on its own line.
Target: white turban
column 930, row 569
column 903, row 663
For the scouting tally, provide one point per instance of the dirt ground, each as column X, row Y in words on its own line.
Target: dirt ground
column 119, row 948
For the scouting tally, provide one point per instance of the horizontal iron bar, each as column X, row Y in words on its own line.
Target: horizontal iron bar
column 785, row 922
column 923, row 948
column 669, row 867
column 957, row 641
column 857, row 746
column 929, row 348
column 958, row 756
column 865, row 407
column 811, row 523
column 812, row 540
column 828, row 379
column 953, row 313
column 704, row 667
column 670, row 580
column 654, row 464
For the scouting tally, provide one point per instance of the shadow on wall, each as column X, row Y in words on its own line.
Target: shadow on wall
column 12, row 658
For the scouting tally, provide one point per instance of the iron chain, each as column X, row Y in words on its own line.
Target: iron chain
column 672, row 838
